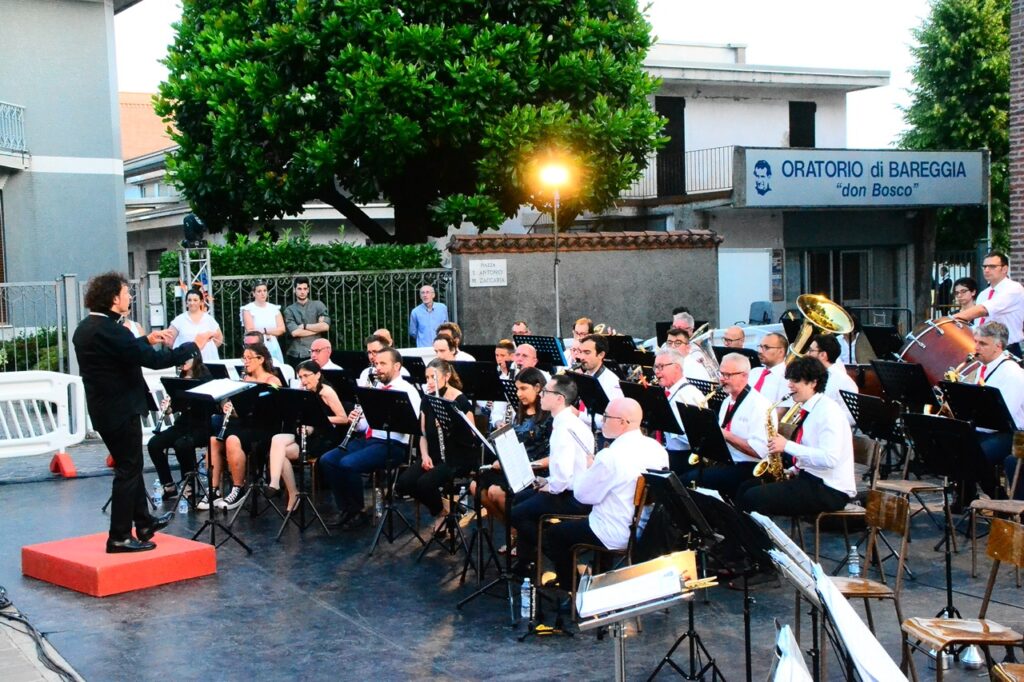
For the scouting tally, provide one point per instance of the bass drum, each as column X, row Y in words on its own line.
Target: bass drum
column 938, row 345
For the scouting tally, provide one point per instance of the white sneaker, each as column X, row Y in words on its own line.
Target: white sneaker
column 232, row 500
column 204, row 504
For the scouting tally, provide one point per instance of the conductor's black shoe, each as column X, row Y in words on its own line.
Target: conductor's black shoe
column 129, row 545
column 145, row 533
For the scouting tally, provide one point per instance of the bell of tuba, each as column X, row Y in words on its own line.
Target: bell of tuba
column 821, row 316
column 706, row 354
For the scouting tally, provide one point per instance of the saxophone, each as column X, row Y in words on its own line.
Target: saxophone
column 771, row 467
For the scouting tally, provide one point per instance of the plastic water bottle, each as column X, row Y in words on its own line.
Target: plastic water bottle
column 525, row 600
column 158, row 493
column 463, row 497
column 853, row 562
column 182, row 505
column 378, row 503
column 202, row 467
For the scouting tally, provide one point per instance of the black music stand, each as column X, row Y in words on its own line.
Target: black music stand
column 748, row 353
column 592, row 394
column 448, row 417
column 621, row 349
column 884, row 339
column 354, row 361
column 211, row 401
column 174, row 387
column 300, row 409
column 950, row 448
column 417, row 369
column 387, row 412
column 705, row 436
column 509, row 393
column 262, row 408
column 658, row 413
column 906, row 383
column 705, row 387
column 661, row 332
column 480, row 380
column 337, row 378
column 879, row 419
column 550, row 350
column 218, row 370
column 983, row 406
column 479, row 350
column 733, row 538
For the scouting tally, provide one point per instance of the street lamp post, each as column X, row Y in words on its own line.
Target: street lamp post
column 555, row 175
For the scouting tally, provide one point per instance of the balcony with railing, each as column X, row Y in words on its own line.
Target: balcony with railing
column 13, row 146
column 684, row 177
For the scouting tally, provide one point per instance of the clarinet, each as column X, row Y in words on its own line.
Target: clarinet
column 224, row 428
column 440, row 429
column 358, row 412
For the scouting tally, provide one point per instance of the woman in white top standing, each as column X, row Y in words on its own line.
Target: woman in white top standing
column 194, row 320
column 264, row 317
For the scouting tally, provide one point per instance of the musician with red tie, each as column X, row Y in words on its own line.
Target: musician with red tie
column 820, row 452
column 770, row 379
column 668, row 370
column 1002, row 372
column 1002, row 301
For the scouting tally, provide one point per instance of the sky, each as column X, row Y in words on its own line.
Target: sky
column 870, row 34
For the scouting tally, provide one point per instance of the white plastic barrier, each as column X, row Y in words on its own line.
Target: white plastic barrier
column 40, row 412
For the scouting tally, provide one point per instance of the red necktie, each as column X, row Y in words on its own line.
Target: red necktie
column 799, row 435
column 982, row 320
column 760, row 380
column 981, row 377
column 728, row 424
column 658, row 435
column 369, row 431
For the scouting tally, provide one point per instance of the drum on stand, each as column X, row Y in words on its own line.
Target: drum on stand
column 939, row 345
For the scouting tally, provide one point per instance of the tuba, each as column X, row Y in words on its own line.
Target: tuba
column 706, row 354
column 821, row 315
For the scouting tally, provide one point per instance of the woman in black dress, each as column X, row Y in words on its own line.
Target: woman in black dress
column 181, row 436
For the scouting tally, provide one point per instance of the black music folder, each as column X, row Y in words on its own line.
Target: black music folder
column 550, row 350
column 983, row 406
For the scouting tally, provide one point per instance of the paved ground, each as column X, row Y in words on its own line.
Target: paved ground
column 317, row 607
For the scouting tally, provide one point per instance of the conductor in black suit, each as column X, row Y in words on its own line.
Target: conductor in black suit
column 110, row 360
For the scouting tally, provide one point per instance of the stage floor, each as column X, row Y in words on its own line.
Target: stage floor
column 316, row 608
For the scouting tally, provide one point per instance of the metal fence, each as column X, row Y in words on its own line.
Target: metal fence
column 32, row 326
column 958, row 264
column 358, row 302
column 12, row 127
column 708, row 170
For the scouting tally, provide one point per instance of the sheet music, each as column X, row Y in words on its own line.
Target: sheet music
column 514, row 460
column 218, row 389
column 648, row 587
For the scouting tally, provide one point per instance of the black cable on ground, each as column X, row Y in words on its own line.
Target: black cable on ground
column 37, row 637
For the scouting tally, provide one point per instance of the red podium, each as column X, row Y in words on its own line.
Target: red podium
column 82, row 564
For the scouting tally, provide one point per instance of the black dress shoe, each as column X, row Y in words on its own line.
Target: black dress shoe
column 129, row 545
column 144, row 533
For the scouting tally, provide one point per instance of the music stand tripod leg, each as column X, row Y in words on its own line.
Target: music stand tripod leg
column 213, row 524
column 504, row 571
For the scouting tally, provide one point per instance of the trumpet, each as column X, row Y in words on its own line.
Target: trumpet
column 357, row 413
column 771, row 467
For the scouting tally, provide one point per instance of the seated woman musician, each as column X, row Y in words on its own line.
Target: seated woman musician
column 284, row 447
column 443, row 456
column 180, row 436
column 532, row 425
column 235, row 434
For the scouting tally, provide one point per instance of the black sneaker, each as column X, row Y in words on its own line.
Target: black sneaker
column 233, row 499
column 204, row 504
column 170, row 492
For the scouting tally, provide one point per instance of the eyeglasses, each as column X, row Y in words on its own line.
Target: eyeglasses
column 729, row 375
column 675, row 342
column 961, row 292
column 663, row 366
column 317, row 350
column 728, row 340
column 989, row 266
column 248, row 358
column 545, row 391
column 764, row 347
column 612, row 416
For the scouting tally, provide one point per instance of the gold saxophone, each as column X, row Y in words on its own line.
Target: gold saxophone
column 695, row 458
column 771, row 466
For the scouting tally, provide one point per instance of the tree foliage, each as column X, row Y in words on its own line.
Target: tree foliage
column 437, row 106
column 961, row 100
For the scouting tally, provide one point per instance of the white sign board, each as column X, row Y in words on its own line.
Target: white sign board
column 858, row 177
column 492, row 272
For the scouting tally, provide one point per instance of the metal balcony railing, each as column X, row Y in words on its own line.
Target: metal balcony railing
column 12, row 128
column 695, row 172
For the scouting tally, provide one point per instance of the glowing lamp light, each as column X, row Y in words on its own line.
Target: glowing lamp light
column 554, row 175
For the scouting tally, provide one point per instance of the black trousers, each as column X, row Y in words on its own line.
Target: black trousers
column 800, row 496
column 527, row 508
column 425, row 486
column 128, row 499
column 559, row 539
column 726, row 479
column 179, row 438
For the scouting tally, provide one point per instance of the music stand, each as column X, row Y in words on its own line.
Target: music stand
column 657, row 411
column 884, row 339
column 480, row 380
column 879, row 419
column 705, row 436
column 213, row 393
column 387, row 412
column 355, row 361
column 983, row 406
column 550, row 350
column 950, row 448
column 906, row 383
column 174, row 387
column 592, row 394
column 479, row 350
column 218, row 370
column 300, row 409
column 748, row 353
column 705, row 387
column 621, row 349
column 661, row 332
column 417, row 369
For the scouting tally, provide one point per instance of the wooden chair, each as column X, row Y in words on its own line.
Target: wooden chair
column 884, row 513
column 618, row 556
column 999, row 508
column 1008, row 672
column 909, row 488
column 1005, row 543
column 866, row 452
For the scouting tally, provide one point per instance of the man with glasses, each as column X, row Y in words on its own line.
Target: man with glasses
column 608, row 485
column 693, row 365
column 320, row 353
column 744, row 421
column 1002, row 301
column 734, row 337
column 570, row 446
column 668, row 370
column 769, row 380
column 426, row 318
column 825, row 347
column 525, row 355
column 375, row 343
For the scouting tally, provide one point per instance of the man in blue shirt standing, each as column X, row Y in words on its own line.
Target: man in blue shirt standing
column 426, row 317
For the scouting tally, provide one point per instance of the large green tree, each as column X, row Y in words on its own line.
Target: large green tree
column 441, row 107
column 961, row 100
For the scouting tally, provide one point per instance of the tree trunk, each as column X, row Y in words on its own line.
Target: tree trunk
column 411, row 219
column 367, row 225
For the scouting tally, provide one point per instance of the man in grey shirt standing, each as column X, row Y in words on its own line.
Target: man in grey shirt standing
column 306, row 321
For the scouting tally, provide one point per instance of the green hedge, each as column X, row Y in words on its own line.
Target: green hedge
column 37, row 351
column 287, row 255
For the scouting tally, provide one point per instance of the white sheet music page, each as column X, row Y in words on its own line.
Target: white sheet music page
column 639, row 590
column 218, row 389
column 514, row 460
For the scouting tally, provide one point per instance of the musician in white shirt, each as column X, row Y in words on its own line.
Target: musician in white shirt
column 343, row 470
column 609, row 485
column 770, row 379
column 693, row 364
column 591, row 351
column 1001, row 372
column 375, row 343
column 825, row 347
column 743, row 418
column 572, row 444
column 1002, row 301
column 821, row 452
column 668, row 370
